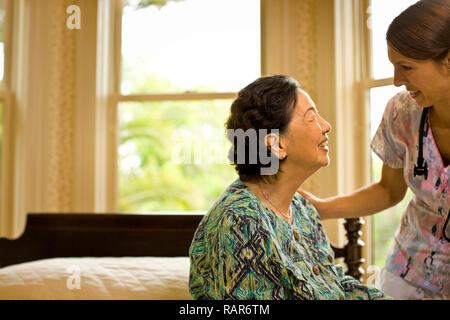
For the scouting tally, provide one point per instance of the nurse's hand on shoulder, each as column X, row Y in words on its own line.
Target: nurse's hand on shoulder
column 317, row 202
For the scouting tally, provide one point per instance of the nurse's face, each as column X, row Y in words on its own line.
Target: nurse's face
column 427, row 81
column 305, row 140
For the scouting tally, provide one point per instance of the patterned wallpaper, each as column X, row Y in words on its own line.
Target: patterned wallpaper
column 60, row 111
column 305, row 44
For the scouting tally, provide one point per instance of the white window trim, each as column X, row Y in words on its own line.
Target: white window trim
column 108, row 71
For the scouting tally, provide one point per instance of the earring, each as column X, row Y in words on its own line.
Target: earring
column 283, row 157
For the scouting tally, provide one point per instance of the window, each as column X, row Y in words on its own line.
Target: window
column 182, row 63
column 379, row 78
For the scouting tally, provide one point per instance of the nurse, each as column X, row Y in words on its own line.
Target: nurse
column 413, row 141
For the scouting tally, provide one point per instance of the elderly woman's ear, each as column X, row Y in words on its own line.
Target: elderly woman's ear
column 275, row 144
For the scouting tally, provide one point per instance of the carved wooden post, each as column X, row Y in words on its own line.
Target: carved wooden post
column 353, row 248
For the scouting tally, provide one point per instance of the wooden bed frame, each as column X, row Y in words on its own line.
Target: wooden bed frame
column 128, row 235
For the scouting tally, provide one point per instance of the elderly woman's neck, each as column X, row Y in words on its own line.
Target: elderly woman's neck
column 276, row 192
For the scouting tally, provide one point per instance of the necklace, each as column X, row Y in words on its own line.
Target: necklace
column 287, row 216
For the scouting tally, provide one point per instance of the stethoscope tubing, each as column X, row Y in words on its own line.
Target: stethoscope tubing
column 421, row 169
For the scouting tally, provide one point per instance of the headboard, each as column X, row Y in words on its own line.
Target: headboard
column 50, row 235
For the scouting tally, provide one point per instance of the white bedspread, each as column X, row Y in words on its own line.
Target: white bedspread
column 97, row 278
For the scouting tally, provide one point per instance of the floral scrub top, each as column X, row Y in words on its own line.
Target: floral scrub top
column 420, row 252
column 243, row 250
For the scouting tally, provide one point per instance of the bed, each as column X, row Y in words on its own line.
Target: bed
column 113, row 256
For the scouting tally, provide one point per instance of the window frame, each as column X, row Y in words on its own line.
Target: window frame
column 367, row 73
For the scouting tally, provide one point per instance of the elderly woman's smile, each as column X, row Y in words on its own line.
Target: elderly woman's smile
column 324, row 145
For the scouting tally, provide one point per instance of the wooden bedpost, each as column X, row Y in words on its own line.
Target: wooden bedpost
column 353, row 248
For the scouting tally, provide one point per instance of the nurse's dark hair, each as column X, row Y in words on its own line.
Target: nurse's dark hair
column 422, row 31
column 266, row 103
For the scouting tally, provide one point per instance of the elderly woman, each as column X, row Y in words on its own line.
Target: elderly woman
column 261, row 239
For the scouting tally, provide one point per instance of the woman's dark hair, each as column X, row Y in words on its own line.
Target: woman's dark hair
column 422, row 31
column 265, row 104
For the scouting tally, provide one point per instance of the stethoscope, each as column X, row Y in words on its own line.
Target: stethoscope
column 421, row 168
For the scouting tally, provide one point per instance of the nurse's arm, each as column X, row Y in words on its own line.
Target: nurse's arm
column 368, row 200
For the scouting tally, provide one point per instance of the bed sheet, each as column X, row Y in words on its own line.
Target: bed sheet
column 94, row 278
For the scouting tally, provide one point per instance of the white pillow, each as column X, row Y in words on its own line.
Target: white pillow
column 123, row 278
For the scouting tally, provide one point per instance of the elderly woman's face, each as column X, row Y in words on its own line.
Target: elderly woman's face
column 306, row 141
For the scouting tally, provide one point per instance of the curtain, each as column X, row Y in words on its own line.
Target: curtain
column 60, row 109
column 43, row 83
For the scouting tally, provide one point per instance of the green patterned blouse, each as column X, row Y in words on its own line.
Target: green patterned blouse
column 243, row 250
